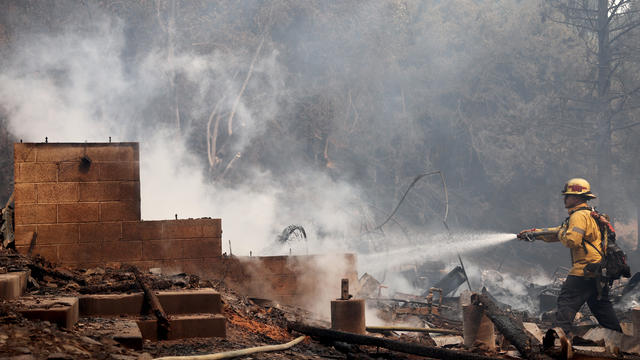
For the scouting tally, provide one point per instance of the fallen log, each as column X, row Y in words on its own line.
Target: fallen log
column 399, row 346
column 40, row 271
column 512, row 329
column 154, row 303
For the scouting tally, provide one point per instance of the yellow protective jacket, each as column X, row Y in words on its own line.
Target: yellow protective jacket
column 580, row 226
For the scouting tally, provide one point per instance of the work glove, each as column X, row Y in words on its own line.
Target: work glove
column 522, row 235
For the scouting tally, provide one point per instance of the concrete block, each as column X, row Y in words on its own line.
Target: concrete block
column 120, row 211
column 187, row 326
column 62, row 311
column 56, row 193
column 182, row 229
column 36, row 214
column 78, row 212
column 24, row 152
column 142, row 230
column 348, row 315
column 13, row 284
column 211, row 228
column 80, row 253
column 116, row 152
column 161, row 249
column 25, row 193
column 275, row 264
column 49, row 252
column 195, row 266
column 170, row 266
column 202, row 248
column 121, row 251
column 100, row 191
column 102, row 231
column 33, row 172
column 128, row 334
column 111, row 304
column 130, row 190
column 117, row 171
column 59, row 152
column 73, row 171
column 191, row 301
column 23, row 234
column 284, row 284
column 57, row 234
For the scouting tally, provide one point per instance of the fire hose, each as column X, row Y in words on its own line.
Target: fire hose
column 236, row 353
column 536, row 234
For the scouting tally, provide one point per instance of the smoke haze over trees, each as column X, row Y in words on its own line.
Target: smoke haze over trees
column 334, row 107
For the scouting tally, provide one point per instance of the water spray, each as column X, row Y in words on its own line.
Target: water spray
column 435, row 249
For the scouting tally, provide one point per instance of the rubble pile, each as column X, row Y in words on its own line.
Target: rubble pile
column 429, row 326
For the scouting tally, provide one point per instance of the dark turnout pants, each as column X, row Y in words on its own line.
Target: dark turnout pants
column 575, row 291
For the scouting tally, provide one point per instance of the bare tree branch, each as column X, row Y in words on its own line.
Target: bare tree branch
column 244, row 86
column 626, row 126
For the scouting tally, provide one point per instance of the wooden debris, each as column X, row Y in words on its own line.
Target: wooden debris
column 123, row 286
column 400, row 346
column 511, row 328
column 413, row 329
column 39, row 272
column 154, row 303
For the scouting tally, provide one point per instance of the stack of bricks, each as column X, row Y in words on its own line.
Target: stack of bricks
column 79, row 204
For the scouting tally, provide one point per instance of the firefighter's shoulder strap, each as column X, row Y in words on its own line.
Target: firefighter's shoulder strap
column 603, row 233
column 590, row 209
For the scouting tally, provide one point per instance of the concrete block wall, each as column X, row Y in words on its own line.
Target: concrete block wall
column 63, row 199
column 173, row 245
column 308, row 281
column 87, row 212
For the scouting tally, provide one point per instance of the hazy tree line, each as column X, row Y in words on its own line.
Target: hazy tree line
column 508, row 98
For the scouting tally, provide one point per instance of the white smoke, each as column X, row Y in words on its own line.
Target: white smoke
column 75, row 87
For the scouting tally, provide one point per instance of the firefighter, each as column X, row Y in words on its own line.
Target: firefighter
column 581, row 284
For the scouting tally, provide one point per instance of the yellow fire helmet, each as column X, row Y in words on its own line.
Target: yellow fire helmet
column 578, row 186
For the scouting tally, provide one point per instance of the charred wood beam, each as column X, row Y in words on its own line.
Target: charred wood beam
column 40, row 271
column 154, row 303
column 413, row 329
column 399, row 346
column 512, row 329
column 123, row 286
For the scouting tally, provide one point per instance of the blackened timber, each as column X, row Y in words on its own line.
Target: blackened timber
column 123, row 286
column 154, row 303
column 40, row 271
column 399, row 346
column 512, row 329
